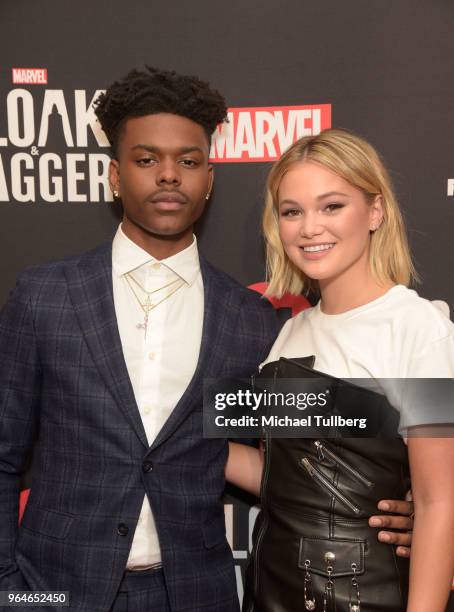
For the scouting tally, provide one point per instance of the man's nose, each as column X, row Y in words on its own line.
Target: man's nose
column 168, row 173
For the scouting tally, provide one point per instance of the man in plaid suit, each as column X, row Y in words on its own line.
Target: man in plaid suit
column 125, row 510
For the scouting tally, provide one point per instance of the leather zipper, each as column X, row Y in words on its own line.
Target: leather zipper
column 325, row 483
column 323, row 450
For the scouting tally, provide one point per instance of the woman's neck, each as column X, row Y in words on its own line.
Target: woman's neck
column 342, row 294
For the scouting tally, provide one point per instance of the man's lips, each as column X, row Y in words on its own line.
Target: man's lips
column 169, row 196
column 168, row 200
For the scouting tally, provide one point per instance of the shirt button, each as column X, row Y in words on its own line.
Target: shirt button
column 147, row 467
column 122, row 529
column 146, row 410
column 151, row 356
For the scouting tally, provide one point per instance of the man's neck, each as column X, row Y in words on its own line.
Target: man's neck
column 159, row 247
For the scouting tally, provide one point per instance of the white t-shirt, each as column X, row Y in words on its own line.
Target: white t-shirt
column 399, row 335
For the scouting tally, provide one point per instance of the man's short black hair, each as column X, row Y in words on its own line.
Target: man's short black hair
column 154, row 91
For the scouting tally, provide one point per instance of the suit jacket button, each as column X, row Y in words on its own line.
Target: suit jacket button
column 122, row 529
column 147, row 466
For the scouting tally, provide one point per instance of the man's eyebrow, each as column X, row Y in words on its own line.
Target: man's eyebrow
column 152, row 149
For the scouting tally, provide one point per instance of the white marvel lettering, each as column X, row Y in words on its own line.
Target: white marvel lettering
column 54, row 98
column 19, row 104
column 85, row 116
column 18, row 181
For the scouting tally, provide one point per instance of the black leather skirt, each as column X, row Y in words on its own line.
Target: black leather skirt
column 313, row 548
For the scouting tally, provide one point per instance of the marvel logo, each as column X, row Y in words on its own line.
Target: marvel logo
column 29, row 76
column 262, row 134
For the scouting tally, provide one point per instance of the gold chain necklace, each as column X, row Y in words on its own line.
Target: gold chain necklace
column 130, row 277
column 148, row 305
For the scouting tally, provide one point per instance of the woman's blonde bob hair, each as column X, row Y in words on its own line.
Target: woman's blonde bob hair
column 357, row 162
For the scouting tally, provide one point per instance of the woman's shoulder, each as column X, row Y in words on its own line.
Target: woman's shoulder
column 420, row 316
column 297, row 322
column 291, row 331
column 425, row 336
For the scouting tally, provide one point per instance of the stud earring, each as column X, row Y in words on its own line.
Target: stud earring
column 376, row 226
column 116, row 194
column 207, row 197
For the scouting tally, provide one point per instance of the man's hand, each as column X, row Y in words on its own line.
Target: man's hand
column 403, row 523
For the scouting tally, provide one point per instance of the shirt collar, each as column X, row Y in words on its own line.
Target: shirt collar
column 127, row 256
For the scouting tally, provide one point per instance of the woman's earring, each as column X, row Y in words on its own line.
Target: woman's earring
column 376, row 226
column 207, row 197
column 116, row 194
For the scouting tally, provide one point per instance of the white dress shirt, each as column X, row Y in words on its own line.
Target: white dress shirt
column 161, row 362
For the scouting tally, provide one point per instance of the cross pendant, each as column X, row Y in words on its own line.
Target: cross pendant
column 143, row 326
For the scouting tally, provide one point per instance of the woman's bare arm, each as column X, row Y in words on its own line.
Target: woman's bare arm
column 244, row 467
column 432, row 557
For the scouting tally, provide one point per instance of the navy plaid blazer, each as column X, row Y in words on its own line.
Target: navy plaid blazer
column 63, row 374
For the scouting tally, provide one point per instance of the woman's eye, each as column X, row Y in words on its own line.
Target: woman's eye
column 333, row 207
column 290, row 212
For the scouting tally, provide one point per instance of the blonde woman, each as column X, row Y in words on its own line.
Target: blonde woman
column 332, row 224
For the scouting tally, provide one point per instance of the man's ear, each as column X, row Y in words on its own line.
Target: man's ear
column 376, row 213
column 114, row 176
column 210, row 179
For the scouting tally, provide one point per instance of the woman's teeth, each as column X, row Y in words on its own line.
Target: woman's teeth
column 318, row 247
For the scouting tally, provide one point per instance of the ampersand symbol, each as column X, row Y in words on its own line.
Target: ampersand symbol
column 34, row 151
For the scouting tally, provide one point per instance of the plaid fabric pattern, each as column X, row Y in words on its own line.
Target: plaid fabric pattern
column 63, row 374
column 142, row 592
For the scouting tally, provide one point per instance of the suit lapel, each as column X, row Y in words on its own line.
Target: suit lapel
column 91, row 293
column 218, row 318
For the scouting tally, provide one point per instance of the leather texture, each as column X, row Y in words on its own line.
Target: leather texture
column 306, row 514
